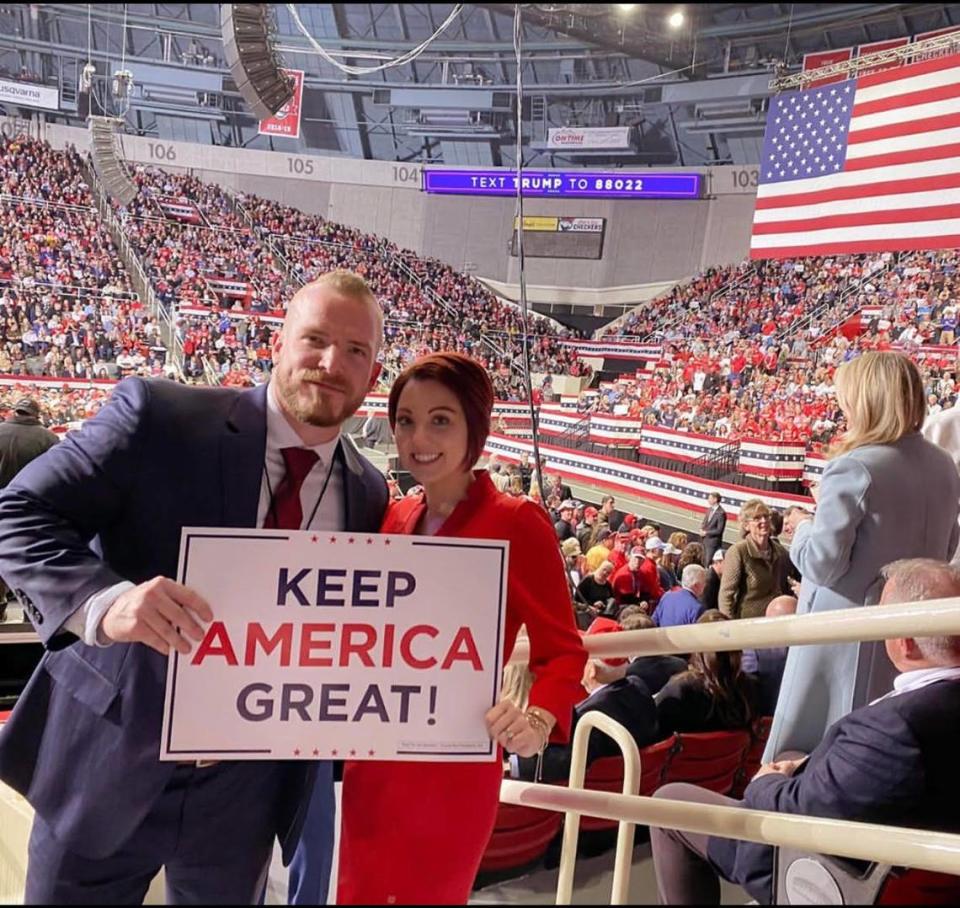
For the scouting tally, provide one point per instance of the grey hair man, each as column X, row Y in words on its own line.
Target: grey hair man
column 682, row 606
column 890, row 762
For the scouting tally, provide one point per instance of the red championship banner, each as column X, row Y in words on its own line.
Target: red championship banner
column 866, row 49
column 286, row 121
column 930, row 54
column 824, row 58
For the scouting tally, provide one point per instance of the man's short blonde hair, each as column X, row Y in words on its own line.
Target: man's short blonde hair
column 348, row 284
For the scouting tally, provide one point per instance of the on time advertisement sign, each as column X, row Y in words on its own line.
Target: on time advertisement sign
column 565, row 184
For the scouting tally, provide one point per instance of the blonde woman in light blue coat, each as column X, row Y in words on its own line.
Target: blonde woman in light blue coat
column 886, row 494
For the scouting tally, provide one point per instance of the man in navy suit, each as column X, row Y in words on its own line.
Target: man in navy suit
column 767, row 664
column 890, row 762
column 89, row 539
column 712, row 527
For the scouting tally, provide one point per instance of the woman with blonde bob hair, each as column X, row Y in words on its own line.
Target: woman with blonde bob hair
column 886, row 494
column 881, row 395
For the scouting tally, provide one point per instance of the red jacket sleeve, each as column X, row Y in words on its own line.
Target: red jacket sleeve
column 622, row 583
column 540, row 598
column 652, row 577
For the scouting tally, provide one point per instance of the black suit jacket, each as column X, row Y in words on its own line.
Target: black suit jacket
column 892, row 762
column 656, row 671
column 684, row 705
column 714, row 524
column 710, row 597
column 627, row 701
column 766, row 665
column 22, row 438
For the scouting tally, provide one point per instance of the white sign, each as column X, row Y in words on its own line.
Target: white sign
column 589, row 138
column 29, row 95
column 338, row 645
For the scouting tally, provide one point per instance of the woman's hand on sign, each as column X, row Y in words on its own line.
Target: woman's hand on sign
column 160, row 613
column 512, row 730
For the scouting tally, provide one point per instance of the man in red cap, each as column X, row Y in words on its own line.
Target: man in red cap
column 585, row 529
column 618, row 557
column 636, row 583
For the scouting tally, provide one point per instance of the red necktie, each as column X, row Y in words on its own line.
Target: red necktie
column 285, row 512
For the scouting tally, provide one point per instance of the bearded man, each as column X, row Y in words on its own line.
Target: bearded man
column 89, row 542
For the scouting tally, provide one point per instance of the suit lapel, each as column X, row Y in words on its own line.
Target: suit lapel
column 355, row 498
column 243, row 448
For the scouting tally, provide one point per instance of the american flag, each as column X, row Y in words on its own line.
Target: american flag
column 867, row 165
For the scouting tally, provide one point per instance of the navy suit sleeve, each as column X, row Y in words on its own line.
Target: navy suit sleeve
column 59, row 502
column 871, row 770
column 555, row 768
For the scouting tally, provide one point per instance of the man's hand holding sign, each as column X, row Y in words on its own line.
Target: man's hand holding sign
column 160, row 613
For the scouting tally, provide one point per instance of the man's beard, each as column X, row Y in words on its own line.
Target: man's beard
column 323, row 413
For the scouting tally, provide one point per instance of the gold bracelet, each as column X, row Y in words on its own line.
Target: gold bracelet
column 538, row 723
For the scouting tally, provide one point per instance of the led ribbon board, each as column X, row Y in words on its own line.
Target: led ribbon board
column 565, row 184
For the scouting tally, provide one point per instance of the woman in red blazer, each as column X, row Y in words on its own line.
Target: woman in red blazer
column 414, row 833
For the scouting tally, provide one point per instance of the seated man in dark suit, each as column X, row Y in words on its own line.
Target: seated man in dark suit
column 890, row 762
column 767, row 665
column 654, row 671
column 710, row 597
column 626, row 700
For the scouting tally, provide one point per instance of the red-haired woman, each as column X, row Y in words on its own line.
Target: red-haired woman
column 414, row 833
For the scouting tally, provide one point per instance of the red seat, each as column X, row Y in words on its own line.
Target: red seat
column 753, row 756
column 919, row 887
column 654, row 760
column 520, row 836
column 708, row 759
column 606, row 774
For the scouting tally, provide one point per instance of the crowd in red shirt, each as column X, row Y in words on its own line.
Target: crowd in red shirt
column 749, row 351
column 67, row 307
column 427, row 304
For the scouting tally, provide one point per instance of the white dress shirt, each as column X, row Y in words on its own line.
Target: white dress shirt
column 330, row 510
column 914, row 680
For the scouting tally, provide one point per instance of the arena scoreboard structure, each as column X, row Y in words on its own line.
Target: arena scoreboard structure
column 560, row 237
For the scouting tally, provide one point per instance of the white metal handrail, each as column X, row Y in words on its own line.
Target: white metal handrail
column 571, row 824
column 929, row 618
column 894, row 845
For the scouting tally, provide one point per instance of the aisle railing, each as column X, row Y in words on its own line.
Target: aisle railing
column 896, row 846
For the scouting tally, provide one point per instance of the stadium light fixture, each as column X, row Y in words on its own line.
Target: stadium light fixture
column 676, row 19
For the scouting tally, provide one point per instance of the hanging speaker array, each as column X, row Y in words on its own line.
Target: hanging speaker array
column 107, row 161
column 250, row 56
